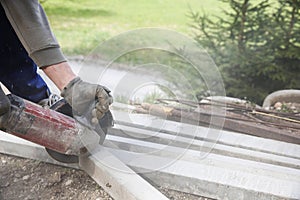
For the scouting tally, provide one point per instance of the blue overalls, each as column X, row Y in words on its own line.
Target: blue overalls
column 18, row 72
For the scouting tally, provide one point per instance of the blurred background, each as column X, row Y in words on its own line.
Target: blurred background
column 254, row 43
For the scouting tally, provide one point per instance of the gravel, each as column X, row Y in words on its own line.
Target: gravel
column 25, row 179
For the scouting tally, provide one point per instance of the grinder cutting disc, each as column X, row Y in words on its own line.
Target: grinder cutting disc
column 63, row 107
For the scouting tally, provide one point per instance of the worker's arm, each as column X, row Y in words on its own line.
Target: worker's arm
column 30, row 23
column 61, row 74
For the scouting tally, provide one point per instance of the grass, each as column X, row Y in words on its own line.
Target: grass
column 81, row 25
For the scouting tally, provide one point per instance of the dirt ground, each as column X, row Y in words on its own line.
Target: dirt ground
column 25, row 179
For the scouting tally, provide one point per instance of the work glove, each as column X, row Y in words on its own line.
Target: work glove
column 88, row 100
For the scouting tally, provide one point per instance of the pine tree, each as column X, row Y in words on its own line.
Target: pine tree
column 256, row 46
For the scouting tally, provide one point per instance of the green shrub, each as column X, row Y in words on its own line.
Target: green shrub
column 256, row 45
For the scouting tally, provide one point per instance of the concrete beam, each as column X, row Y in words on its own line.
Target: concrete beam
column 116, row 178
column 147, row 139
column 228, row 138
column 216, row 176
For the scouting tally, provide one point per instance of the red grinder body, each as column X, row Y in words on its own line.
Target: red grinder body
column 43, row 126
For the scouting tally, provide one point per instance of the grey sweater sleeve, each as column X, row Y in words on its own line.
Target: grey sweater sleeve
column 31, row 25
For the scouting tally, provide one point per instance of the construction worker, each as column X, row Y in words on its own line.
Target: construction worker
column 27, row 42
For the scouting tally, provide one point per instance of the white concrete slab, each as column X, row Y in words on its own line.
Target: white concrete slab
column 131, row 135
column 201, row 133
column 221, row 179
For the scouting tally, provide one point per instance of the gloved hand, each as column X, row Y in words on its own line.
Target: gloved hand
column 87, row 99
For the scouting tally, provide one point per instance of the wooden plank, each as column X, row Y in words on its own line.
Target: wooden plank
column 220, row 120
column 249, row 128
